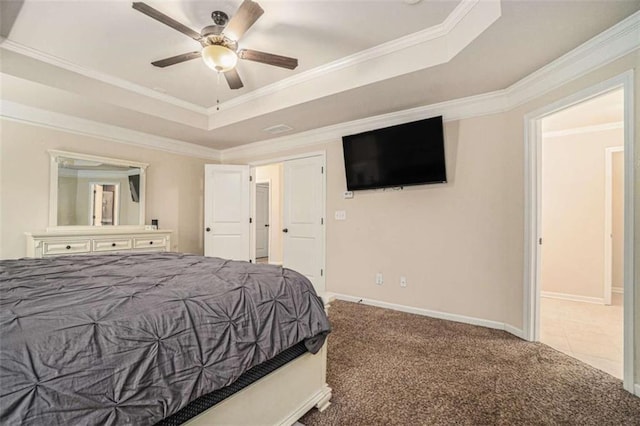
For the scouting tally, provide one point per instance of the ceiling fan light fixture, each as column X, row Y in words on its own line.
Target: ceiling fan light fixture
column 219, row 58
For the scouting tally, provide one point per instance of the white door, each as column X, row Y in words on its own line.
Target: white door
column 304, row 218
column 262, row 220
column 226, row 211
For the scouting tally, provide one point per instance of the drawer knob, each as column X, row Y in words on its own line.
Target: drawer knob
column 150, row 242
column 113, row 244
column 68, row 247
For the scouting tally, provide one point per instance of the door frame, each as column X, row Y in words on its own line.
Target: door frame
column 282, row 159
column 608, row 221
column 254, row 214
column 532, row 213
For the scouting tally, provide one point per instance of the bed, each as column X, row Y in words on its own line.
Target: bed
column 148, row 338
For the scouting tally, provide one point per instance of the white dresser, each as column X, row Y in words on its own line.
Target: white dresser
column 55, row 243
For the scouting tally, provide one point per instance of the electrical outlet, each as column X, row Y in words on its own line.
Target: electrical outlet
column 403, row 281
column 379, row 279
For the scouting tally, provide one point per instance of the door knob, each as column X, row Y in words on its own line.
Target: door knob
column 266, row 225
column 285, row 230
column 208, row 229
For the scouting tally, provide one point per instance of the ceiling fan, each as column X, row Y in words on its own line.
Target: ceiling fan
column 220, row 41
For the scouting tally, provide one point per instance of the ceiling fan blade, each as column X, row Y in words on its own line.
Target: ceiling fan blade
column 159, row 16
column 176, row 59
column 268, row 58
column 233, row 78
column 246, row 15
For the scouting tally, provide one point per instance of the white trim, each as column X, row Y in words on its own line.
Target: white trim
column 39, row 117
column 430, row 313
column 532, row 138
column 585, row 129
column 608, row 221
column 604, row 48
column 442, row 51
column 47, row 58
column 472, row 106
column 629, row 307
column 611, row 44
column 573, row 297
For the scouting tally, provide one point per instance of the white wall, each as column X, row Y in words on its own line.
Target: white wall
column 273, row 173
column 573, row 212
column 174, row 184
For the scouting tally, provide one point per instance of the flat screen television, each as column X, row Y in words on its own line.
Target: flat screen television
column 405, row 154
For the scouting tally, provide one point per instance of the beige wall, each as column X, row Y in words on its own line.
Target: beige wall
column 174, row 184
column 273, row 173
column 573, row 212
column 461, row 245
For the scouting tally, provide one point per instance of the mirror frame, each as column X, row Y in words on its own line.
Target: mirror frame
column 53, row 189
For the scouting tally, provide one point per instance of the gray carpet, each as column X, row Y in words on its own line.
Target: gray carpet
column 394, row 368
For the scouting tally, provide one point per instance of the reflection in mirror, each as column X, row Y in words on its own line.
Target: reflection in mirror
column 92, row 191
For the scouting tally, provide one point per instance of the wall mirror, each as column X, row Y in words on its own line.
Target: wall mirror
column 91, row 191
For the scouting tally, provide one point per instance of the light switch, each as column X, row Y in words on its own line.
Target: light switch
column 341, row 215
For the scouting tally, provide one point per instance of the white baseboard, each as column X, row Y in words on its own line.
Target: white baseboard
column 433, row 314
column 619, row 290
column 572, row 297
column 275, row 263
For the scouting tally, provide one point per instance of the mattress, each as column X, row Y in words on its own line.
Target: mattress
column 134, row 338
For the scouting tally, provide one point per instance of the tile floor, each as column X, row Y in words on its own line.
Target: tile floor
column 589, row 332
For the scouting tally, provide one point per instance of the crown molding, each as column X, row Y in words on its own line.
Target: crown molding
column 613, row 43
column 606, row 47
column 443, row 29
column 453, row 20
column 38, row 55
column 584, row 129
column 472, row 106
column 35, row 116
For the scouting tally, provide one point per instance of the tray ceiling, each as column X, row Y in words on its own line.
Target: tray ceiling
column 357, row 59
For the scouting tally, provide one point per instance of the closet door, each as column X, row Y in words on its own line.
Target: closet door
column 226, row 211
column 304, row 218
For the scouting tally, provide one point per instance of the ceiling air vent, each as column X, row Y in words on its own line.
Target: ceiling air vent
column 278, row 128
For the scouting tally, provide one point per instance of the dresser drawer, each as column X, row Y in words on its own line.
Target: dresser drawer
column 51, row 248
column 112, row 245
column 149, row 242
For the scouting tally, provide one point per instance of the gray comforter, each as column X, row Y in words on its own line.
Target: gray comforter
column 130, row 339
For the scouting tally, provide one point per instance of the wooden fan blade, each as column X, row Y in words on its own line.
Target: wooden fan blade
column 233, row 78
column 159, row 16
column 268, row 58
column 176, row 59
column 246, row 15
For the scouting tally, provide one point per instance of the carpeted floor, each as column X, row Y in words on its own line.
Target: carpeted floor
column 393, row 368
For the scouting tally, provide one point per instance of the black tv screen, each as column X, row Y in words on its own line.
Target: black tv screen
column 405, row 154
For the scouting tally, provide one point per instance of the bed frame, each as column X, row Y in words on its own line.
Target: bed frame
column 279, row 398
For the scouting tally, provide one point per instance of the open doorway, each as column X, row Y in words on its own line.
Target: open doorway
column 268, row 214
column 262, row 222
column 605, row 294
column 581, row 256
